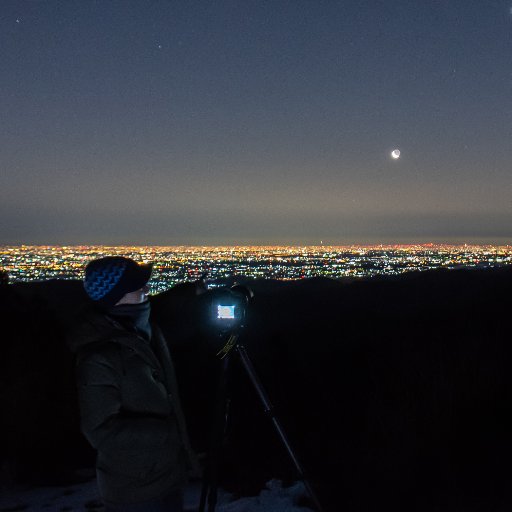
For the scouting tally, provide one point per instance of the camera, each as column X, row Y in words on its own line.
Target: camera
column 226, row 308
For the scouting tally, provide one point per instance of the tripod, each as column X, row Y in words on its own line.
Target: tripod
column 210, row 478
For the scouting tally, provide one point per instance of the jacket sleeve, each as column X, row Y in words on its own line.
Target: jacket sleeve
column 104, row 424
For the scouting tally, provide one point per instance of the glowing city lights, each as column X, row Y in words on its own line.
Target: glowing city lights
column 224, row 265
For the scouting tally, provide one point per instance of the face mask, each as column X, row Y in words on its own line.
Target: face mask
column 135, row 316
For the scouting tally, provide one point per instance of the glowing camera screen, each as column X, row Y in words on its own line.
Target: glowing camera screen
column 226, row 312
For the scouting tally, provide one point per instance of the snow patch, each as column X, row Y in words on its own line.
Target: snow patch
column 84, row 496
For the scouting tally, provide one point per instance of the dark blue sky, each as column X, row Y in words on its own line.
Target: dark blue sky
column 199, row 122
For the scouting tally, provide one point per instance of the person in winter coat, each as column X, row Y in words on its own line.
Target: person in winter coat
column 129, row 405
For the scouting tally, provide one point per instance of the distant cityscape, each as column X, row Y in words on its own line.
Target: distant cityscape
column 224, row 265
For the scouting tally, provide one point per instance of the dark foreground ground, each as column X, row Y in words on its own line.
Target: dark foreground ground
column 395, row 392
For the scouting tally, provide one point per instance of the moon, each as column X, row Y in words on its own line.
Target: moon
column 395, row 153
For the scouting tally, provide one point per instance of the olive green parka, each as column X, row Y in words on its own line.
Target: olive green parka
column 130, row 410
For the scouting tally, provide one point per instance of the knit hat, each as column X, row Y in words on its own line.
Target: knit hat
column 108, row 279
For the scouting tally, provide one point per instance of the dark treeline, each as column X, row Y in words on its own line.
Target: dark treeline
column 395, row 392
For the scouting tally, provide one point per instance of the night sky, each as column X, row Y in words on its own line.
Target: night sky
column 211, row 122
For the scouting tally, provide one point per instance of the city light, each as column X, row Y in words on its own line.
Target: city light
column 224, row 265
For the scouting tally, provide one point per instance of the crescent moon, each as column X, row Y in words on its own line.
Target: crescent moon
column 395, row 153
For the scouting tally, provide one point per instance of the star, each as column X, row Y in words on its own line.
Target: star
column 18, row 20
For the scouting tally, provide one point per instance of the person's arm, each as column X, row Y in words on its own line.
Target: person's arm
column 104, row 424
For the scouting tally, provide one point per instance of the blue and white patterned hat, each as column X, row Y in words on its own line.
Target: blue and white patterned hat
column 108, row 279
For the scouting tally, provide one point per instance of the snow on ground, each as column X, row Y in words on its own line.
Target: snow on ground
column 84, row 497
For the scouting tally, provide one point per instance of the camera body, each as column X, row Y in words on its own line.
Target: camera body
column 224, row 310
column 228, row 308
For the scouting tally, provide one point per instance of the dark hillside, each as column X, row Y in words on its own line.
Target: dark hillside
column 401, row 387
column 394, row 391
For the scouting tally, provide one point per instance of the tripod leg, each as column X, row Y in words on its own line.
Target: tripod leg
column 210, row 476
column 269, row 409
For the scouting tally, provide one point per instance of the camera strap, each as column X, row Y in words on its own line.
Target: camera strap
column 226, row 349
